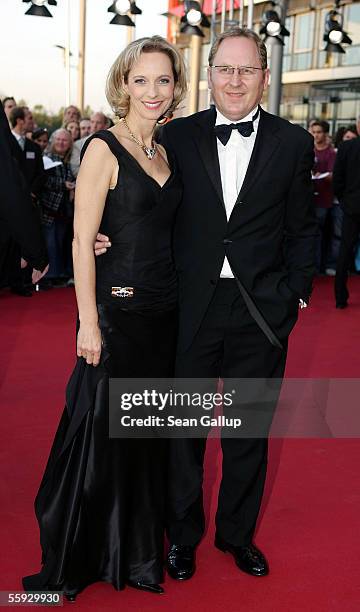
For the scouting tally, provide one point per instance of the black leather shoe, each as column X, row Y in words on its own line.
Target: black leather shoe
column 341, row 305
column 248, row 558
column 181, row 561
column 144, row 586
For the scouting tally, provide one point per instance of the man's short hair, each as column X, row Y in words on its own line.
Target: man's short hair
column 240, row 33
column 18, row 112
column 325, row 125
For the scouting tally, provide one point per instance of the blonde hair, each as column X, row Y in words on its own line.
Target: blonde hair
column 119, row 72
column 240, row 33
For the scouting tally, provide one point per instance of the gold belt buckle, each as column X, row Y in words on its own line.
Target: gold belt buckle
column 122, row 292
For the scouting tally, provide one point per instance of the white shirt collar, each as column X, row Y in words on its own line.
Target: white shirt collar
column 221, row 120
column 17, row 136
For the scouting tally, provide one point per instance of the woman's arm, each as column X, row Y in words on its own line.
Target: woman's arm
column 94, row 178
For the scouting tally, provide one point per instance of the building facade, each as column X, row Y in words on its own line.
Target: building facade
column 315, row 83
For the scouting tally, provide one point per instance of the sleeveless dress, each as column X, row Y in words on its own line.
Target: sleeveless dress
column 100, row 506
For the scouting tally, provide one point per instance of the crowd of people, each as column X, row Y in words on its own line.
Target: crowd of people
column 49, row 164
column 329, row 211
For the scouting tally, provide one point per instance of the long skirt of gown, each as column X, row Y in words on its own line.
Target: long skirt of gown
column 100, row 505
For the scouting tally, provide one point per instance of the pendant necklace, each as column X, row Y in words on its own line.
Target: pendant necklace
column 150, row 152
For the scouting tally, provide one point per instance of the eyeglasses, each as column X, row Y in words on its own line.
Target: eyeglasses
column 243, row 71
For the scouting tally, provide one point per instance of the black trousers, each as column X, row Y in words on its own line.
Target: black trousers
column 229, row 344
column 349, row 236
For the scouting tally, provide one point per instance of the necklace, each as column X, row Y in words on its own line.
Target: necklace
column 150, row 152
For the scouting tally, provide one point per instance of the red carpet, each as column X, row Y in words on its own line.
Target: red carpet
column 309, row 529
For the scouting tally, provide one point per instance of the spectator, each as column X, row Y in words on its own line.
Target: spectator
column 347, row 189
column 339, row 136
column 41, row 137
column 71, row 113
column 98, row 121
column 29, row 157
column 19, row 222
column 57, row 208
column 27, row 152
column 8, row 104
column 74, row 128
column 85, row 127
column 350, row 132
column 358, row 125
column 324, row 163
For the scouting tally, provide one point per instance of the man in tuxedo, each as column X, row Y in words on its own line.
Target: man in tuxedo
column 29, row 158
column 15, row 205
column 244, row 247
column 27, row 152
column 346, row 183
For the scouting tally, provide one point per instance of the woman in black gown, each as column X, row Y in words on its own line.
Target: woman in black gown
column 100, row 505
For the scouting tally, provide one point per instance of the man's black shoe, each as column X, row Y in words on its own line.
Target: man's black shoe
column 341, row 305
column 248, row 558
column 146, row 586
column 181, row 561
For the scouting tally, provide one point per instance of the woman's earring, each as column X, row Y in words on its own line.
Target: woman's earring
column 162, row 120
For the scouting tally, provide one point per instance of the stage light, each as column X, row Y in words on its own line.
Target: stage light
column 38, row 8
column 272, row 26
column 334, row 33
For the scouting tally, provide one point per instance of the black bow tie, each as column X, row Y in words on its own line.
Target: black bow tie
column 245, row 128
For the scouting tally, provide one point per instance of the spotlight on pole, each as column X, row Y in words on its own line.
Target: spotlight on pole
column 334, row 34
column 273, row 26
column 38, row 8
column 193, row 18
column 121, row 8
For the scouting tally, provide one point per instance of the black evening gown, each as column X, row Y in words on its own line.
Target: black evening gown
column 100, row 505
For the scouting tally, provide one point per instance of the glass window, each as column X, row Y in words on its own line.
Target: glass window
column 288, row 40
column 304, row 32
column 352, row 56
column 301, row 61
column 352, row 22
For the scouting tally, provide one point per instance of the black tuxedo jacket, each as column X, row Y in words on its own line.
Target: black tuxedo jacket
column 270, row 237
column 17, row 214
column 31, row 164
column 346, row 176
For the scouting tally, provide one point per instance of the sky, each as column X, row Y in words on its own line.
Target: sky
column 32, row 67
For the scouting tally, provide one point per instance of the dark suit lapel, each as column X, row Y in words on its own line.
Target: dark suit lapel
column 206, row 142
column 267, row 141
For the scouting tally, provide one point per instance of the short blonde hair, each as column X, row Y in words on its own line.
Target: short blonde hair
column 119, row 72
column 240, row 33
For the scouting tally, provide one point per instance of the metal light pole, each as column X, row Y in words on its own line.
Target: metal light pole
column 67, row 55
column 213, row 22
column 277, row 51
column 250, row 14
column 223, row 15
column 81, row 59
column 241, row 13
column 195, row 73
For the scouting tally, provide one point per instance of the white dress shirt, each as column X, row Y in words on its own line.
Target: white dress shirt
column 234, row 159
